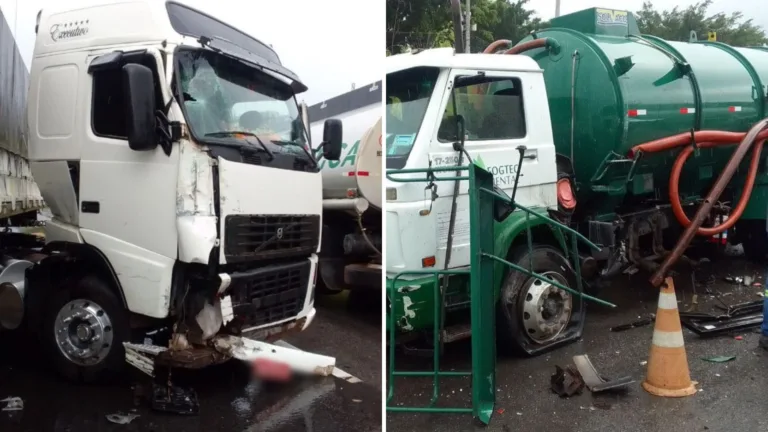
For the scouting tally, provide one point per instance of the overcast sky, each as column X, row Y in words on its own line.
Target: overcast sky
column 334, row 43
column 750, row 9
column 330, row 44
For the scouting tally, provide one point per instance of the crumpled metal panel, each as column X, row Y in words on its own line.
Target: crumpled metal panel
column 14, row 84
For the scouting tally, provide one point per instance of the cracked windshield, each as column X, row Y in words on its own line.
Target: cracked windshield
column 223, row 95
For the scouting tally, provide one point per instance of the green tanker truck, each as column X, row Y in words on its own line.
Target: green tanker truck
column 563, row 121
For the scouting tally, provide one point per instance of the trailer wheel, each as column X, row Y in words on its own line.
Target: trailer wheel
column 534, row 316
column 85, row 327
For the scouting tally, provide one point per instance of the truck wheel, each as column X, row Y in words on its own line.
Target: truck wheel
column 85, row 327
column 533, row 315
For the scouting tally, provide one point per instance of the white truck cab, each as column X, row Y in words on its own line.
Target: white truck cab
column 503, row 105
column 185, row 194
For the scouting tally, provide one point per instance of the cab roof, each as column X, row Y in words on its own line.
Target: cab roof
column 446, row 58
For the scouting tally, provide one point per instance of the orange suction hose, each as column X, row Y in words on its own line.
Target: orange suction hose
column 710, row 139
column 736, row 212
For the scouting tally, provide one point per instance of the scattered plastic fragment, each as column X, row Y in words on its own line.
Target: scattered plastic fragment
column 120, row 418
column 500, row 411
column 13, row 404
column 739, row 338
column 566, row 382
column 719, row 359
column 644, row 362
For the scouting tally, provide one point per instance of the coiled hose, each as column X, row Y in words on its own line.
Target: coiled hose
column 709, row 139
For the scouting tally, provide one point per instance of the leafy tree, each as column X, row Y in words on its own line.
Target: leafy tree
column 428, row 23
column 676, row 24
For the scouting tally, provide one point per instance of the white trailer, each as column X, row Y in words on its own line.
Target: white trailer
column 350, row 256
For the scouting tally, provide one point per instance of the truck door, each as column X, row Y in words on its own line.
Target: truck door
column 498, row 110
column 127, row 198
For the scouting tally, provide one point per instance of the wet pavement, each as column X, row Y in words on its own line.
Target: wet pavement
column 345, row 327
column 731, row 395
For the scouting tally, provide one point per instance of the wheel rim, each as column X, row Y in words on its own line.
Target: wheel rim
column 83, row 332
column 546, row 308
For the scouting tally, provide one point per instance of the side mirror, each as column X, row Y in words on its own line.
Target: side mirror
column 139, row 90
column 332, row 139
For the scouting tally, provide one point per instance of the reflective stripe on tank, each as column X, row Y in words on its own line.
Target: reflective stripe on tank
column 734, row 109
column 687, row 110
column 637, row 112
column 358, row 174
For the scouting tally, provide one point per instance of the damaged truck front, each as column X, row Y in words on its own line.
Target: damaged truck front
column 186, row 196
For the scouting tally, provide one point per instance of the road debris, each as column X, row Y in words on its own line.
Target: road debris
column 566, row 382
column 640, row 322
column 173, row 399
column 719, row 359
column 739, row 338
column 12, row 404
column 595, row 381
column 735, row 317
column 120, row 418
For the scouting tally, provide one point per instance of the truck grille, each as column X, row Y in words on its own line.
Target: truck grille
column 260, row 237
column 269, row 294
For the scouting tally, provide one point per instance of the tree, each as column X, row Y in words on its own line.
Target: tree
column 428, row 23
column 676, row 24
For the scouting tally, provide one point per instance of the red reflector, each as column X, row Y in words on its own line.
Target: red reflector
column 632, row 113
column 428, row 261
column 362, row 173
column 358, row 174
column 636, row 112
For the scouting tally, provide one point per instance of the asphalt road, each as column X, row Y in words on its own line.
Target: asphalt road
column 731, row 395
column 347, row 328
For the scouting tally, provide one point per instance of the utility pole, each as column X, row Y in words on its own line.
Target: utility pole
column 467, row 27
column 557, row 8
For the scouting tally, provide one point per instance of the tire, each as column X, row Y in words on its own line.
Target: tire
column 95, row 301
column 518, row 331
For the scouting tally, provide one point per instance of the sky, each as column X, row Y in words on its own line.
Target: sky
column 330, row 44
column 546, row 8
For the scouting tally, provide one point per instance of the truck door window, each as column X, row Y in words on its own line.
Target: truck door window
column 492, row 109
column 108, row 118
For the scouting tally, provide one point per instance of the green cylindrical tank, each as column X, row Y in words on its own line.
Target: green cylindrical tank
column 610, row 88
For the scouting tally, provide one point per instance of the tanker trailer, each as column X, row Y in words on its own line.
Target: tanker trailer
column 350, row 256
column 611, row 88
column 570, row 115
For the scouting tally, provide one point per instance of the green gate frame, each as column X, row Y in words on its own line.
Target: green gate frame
column 482, row 292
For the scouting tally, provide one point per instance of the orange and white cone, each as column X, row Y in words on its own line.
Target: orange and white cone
column 668, row 373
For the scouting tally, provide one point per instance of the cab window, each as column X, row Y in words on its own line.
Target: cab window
column 492, row 109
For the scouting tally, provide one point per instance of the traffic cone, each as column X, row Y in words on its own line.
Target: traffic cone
column 668, row 374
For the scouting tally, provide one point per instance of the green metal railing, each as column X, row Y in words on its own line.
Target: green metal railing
column 482, row 291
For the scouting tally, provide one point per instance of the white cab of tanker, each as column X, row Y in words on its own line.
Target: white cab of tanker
column 350, row 255
column 185, row 195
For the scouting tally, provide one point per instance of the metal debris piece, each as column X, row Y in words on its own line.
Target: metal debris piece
column 594, row 381
column 248, row 350
column 734, row 279
column 719, row 359
column 120, row 418
column 173, row 399
column 566, row 382
column 639, row 323
column 13, row 404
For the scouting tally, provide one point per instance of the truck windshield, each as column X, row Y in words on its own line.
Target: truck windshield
column 408, row 94
column 222, row 94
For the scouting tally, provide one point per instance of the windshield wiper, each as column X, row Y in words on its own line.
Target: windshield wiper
column 306, row 152
column 249, row 134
